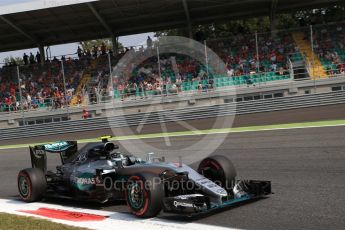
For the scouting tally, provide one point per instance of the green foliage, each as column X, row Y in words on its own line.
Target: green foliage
column 88, row 45
column 286, row 21
column 225, row 29
column 13, row 61
column 13, row 222
column 333, row 13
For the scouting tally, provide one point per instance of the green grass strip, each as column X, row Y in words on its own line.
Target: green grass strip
column 14, row 222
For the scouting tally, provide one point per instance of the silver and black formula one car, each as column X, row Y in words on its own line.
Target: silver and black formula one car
column 99, row 172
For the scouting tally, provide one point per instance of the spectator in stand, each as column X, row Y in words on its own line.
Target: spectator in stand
column 69, row 96
column 274, row 67
column 88, row 53
column 35, row 103
column 179, row 84
column 38, row 57
column 281, row 71
column 79, row 52
column 341, row 68
column 329, row 70
column 103, row 49
column 210, row 83
column 26, row 59
column 79, row 99
column 120, row 88
column 28, row 99
column 173, row 89
column 200, row 87
column 86, row 114
column 8, row 102
column 95, row 51
column 149, row 42
column 32, row 59
column 199, row 36
column 230, row 71
column 249, row 80
column 56, row 99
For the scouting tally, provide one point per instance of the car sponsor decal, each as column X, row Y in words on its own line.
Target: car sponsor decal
column 183, row 204
column 84, row 181
column 39, row 153
column 58, row 146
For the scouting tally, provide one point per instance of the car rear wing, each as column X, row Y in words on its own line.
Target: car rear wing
column 38, row 158
column 38, row 153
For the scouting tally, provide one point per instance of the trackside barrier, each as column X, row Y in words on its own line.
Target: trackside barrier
column 227, row 109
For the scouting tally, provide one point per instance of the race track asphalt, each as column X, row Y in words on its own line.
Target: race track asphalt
column 321, row 113
column 306, row 167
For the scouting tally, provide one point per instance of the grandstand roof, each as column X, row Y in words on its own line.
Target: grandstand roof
column 103, row 18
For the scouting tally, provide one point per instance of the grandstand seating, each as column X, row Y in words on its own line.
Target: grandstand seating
column 180, row 72
column 192, row 74
column 8, row 92
column 329, row 42
column 43, row 84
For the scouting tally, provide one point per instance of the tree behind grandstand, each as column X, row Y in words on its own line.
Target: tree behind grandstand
column 262, row 24
column 89, row 45
column 13, row 61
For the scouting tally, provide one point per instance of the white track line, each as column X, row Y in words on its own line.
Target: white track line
column 115, row 220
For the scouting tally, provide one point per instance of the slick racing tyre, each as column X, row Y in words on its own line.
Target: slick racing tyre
column 218, row 169
column 32, row 184
column 144, row 195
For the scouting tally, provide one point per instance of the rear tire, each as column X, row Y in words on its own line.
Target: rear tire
column 218, row 169
column 32, row 184
column 144, row 195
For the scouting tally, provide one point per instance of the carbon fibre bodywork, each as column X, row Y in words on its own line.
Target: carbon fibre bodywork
column 98, row 172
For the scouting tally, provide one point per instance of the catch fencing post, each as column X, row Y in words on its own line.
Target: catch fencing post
column 159, row 69
column 257, row 52
column 64, row 86
column 207, row 67
column 20, row 95
column 112, row 94
column 312, row 55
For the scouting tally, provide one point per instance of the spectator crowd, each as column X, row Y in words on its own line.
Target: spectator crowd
column 45, row 85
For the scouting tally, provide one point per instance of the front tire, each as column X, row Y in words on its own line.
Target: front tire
column 32, row 184
column 144, row 195
column 218, row 169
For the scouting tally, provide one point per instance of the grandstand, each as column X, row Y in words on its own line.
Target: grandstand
column 258, row 64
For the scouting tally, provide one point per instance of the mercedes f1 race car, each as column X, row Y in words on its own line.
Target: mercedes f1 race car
column 99, row 172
